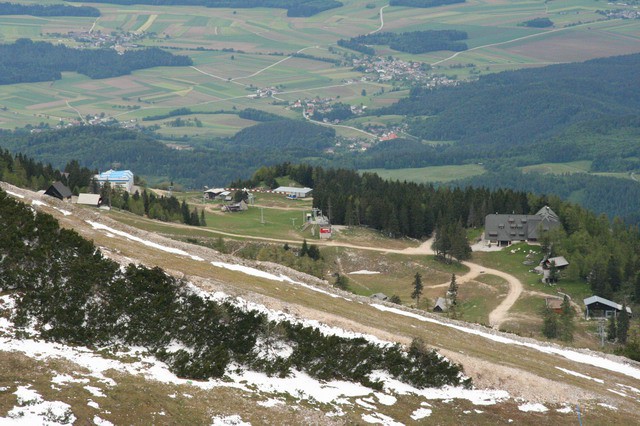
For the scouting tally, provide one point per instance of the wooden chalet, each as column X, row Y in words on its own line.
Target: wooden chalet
column 599, row 307
column 59, row 191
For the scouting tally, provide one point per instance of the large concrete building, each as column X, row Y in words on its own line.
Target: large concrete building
column 117, row 179
column 504, row 229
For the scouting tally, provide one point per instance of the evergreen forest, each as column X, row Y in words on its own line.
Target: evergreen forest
column 26, row 61
column 415, row 42
column 7, row 8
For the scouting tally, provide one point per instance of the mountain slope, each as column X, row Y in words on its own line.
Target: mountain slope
column 551, row 375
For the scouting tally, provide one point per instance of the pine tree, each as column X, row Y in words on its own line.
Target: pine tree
column 186, row 215
column 203, row 221
column 553, row 273
column 304, row 249
column 550, row 324
column 623, row 325
column 453, row 290
column 566, row 318
column 395, row 299
column 342, row 282
column 417, row 288
column 637, row 289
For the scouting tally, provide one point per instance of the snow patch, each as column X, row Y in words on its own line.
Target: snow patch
column 64, row 212
column 101, row 422
column 532, row 408
column 62, row 379
column 380, row 419
column 630, row 388
column 95, row 391
column 38, row 203
column 262, row 274
column 565, row 410
column 610, row 407
column 271, row 402
column 595, row 360
column 365, row 404
column 385, row 399
column 575, row 373
column 92, row 403
column 364, row 272
column 15, row 194
column 421, row 413
column 618, row 393
column 151, row 244
column 33, row 410
column 234, row 420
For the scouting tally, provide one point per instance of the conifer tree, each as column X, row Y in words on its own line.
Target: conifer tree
column 566, row 318
column 417, row 288
column 304, row 249
column 342, row 282
column 623, row 326
column 453, row 290
column 549, row 324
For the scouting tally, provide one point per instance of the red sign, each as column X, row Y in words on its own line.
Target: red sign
column 325, row 230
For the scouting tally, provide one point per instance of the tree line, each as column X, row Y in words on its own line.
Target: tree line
column 74, row 295
column 7, row 8
column 26, row 61
column 295, row 8
column 412, row 42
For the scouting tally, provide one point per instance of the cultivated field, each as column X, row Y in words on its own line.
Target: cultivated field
column 262, row 39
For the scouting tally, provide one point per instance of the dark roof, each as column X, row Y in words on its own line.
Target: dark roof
column 59, row 190
column 519, row 227
column 602, row 301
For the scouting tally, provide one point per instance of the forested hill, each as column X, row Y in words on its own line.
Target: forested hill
column 222, row 161
column 26, row 61
column 66, row 290
column 47, row 10
column 295, row 8
column 516, row 113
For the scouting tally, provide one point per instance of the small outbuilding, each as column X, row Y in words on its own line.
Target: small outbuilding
column 59, row 191
column 599, row 307
column 442, row 305
column 379, row 296
column 89, row 200
column 554, row 304
column 236, row 207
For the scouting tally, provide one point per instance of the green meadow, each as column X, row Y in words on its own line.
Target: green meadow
column 261, row 40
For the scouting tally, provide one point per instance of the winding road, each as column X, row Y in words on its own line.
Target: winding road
column 381, row 20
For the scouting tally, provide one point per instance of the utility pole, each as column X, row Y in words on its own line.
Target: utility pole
column 262, row 215
column 293, row 222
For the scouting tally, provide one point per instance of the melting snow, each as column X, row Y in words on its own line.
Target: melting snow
column 64, row 212
column 385, row 399
column 565, row 410
column 38, row 203
column 173, row 250
column 62, row 379
column 584, row 376
column 95, row 391
column 92, row 403
column 15, row 194
column 101, row 422
column 33, row 410
column 364, row 272
column 421, row 413
column 610, row 407
column 365, row 404
column 618, row 393
column 532, row 408
column 262, row 274
column 234, row 420
column 380, row 419
column 272, row 402
column 582, row 358
column 631, row 388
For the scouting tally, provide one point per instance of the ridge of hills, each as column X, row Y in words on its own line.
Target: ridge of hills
column 501, row 365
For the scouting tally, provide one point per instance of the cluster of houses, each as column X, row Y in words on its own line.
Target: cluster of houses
column 388, row 69
column 120, row 179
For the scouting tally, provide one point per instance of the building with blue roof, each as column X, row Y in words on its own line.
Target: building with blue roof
column 117, row 179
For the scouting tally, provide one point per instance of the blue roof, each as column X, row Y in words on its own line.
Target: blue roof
column 116, row 175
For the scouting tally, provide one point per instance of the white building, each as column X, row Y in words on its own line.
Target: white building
column 117, row 179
